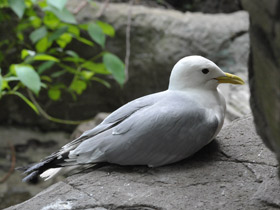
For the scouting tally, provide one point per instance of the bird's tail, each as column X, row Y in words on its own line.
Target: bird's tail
column 52, row 164
column 46, row 169
column 50, row 173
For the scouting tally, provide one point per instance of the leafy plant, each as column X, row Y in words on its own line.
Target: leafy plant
column 44, row 30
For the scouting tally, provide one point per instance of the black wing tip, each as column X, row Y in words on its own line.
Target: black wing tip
column 32, row 178
column 32, row 172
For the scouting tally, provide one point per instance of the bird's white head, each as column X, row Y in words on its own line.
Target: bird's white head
column 199, row 72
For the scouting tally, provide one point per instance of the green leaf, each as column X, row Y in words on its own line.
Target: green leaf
column 115, row 66
column 44, row 57
column 58, row 73
column 18, row 6
column 28, row 5
column 72, row 53
column 98, row 68
column 74, row 59
column 64, row 14
column 42, row 45
column 22, row 26
column 25, row 53
column 58, row 33
column 106, row 28
column 96, row 34
column 27, row 101
column 12, row 70
column 29, row 77
column 87, row 74
column 35, row 21
column 50, row 20
column 85, row 41
column 69, row 69
column 54, row 93
column 103, row 82
column 44, row 66
column 20, row 36
column 5, row 84
column 42, row 4
column 10, row 79
column 83, row 26
column 78, row 86
column 46, row 78
column 64, row 39
column 55, row 50
column 1, row 82
column 74, row 30
column 38, row 34
column 3, row 4
column 59, row 4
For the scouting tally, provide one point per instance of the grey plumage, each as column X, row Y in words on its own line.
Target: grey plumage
column 154, row 130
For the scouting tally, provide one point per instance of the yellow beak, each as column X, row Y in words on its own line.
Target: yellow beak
column 230, row 78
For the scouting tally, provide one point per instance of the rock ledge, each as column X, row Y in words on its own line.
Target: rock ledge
column 236, row 171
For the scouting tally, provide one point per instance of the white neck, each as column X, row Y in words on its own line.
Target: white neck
column 210, row 99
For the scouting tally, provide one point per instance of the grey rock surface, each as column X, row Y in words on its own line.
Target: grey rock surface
column 236, row 171
column 264, row 70
column 30, row 146
column 159, row 38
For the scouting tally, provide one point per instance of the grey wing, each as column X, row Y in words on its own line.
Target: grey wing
column 169, row 130
column 112, row 120
column 124, row 112
column 61, row 157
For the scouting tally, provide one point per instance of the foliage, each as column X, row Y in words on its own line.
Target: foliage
column 43, row 31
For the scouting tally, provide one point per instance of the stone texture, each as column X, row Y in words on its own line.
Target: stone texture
column 159, row 38
column 236, row 171
column 264, row 70
column 30, row 146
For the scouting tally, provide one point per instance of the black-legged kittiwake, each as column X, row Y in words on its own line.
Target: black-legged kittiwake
column 153, row 130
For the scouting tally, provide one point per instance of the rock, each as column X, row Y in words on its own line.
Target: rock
column 30, row 146
column 88, row 125
column 229, row 173
column 264, row 70
column 146, row 3
column 269, row 192
column 159, row 38
column 237, row 98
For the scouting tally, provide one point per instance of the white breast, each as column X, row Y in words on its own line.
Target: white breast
column 213, row 101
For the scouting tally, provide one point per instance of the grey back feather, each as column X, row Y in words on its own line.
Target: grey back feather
column 154, row 131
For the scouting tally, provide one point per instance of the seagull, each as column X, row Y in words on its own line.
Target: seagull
column 153, row 130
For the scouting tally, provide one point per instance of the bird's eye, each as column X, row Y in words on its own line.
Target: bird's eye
column 205, row 71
